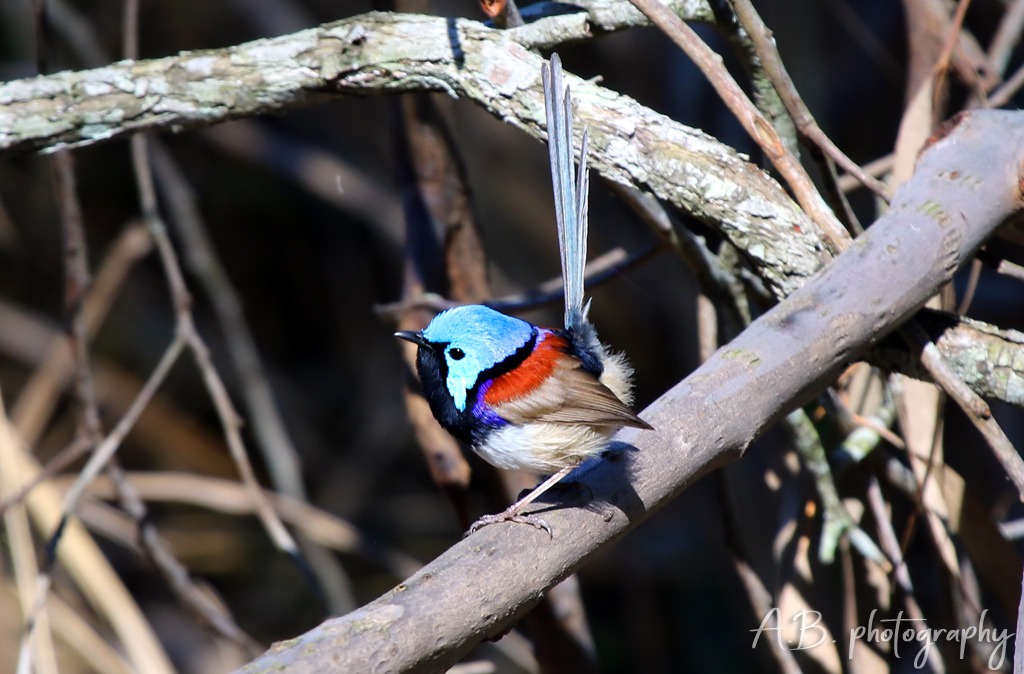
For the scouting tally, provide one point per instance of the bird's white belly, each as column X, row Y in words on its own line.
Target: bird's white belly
column 542, row 447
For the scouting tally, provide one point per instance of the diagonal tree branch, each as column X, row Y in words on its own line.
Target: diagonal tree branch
column 964, row 188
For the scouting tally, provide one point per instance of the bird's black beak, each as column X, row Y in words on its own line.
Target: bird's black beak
column 414, row 337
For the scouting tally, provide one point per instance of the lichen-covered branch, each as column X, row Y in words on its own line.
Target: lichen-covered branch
column 989, row 360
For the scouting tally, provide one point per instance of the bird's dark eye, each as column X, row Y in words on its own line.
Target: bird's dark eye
column 456, row 353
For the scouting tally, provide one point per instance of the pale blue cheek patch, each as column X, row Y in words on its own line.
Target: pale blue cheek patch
column 485, row 336
column 462, row 375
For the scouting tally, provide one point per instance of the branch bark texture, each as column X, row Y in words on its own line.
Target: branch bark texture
column 965, row 186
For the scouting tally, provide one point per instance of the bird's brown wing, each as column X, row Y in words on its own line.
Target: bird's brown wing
column 570, row 395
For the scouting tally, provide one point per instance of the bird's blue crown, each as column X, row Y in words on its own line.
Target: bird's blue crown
column 476, row 338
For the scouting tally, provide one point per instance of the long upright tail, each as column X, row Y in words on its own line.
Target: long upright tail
column 571, row 191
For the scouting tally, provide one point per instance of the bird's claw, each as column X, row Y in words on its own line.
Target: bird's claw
column 507, row 516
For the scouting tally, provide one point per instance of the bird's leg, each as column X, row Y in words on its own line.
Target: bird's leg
column 540, row 489
column 513, row 514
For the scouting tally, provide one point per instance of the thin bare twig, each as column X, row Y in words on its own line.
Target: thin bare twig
column 36, row 650
column 760, row 35
column 77, row 282
column 282, row 458
column 1010, row 269
column 62, row 460
column 875, row 168
column 756, row 126
column 76, row 285
column 99, row 459
column 763, row 93
column 922, row 421
column 90, row 430
column 268, row 427
column 972, row 287
column 599, row 270
column 1007, row 36
column 213, row 613
column 873, row 424
column 931, row 26
column 186, row 331
column 833, row 194
column 279, row 452
column 209, row 610
column 109, row 445
column 891, row 545
column 232, row 498
column 719, row 287
column 942, row 65
column 611, row 265
column 1007, row 90
column 38, row 396
column 82, row 559
column 761, row 600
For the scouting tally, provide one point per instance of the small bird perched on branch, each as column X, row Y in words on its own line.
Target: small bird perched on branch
column 522, row 396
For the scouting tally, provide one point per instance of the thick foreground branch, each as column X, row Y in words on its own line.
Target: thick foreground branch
column 965, row 186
